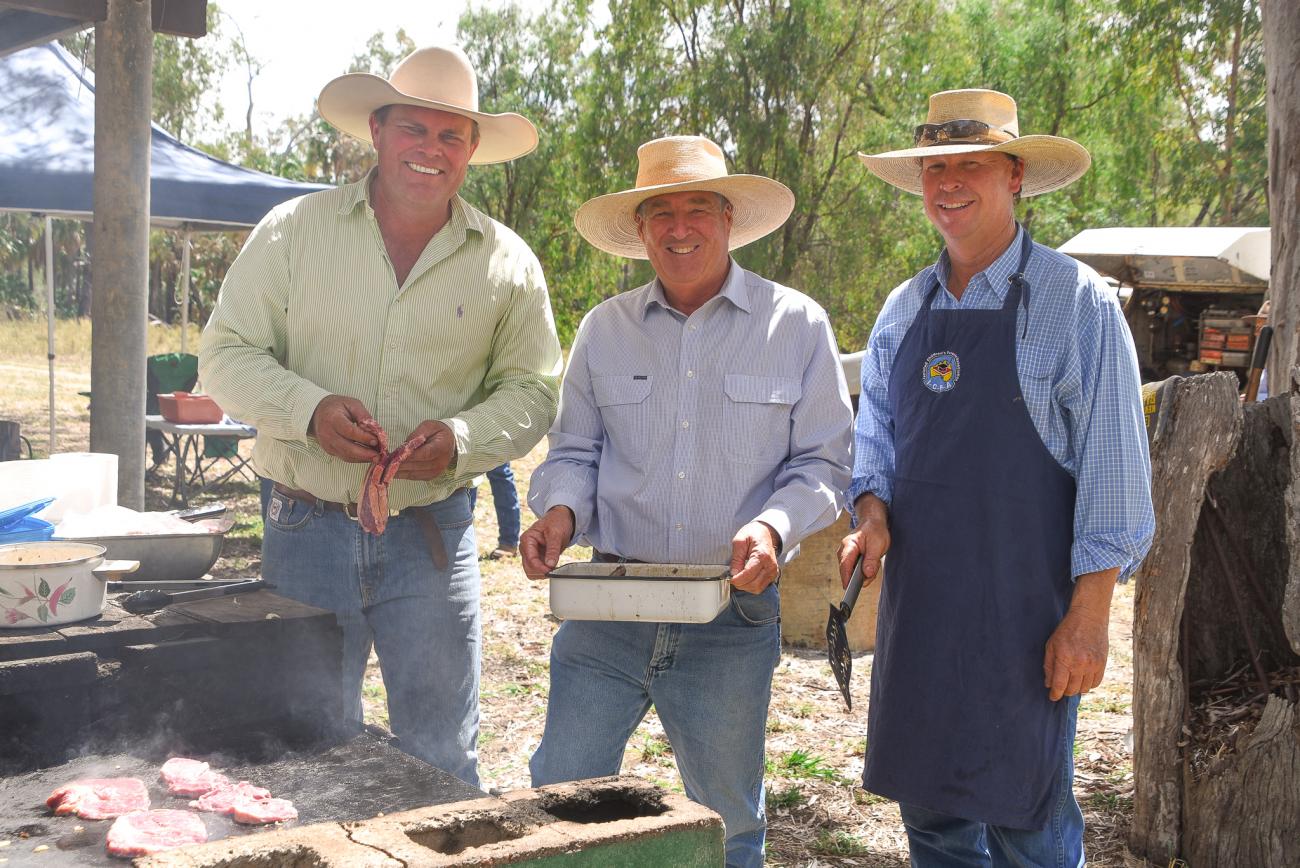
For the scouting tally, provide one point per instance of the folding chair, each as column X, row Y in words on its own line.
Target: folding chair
column 226, row 449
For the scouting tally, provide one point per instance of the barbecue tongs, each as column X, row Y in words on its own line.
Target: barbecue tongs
column 837, row 642
column 152, row 599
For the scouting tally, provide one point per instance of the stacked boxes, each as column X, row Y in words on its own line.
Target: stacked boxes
column 1225, row 339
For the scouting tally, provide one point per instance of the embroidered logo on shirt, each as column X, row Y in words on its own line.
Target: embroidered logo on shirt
column 941, row 371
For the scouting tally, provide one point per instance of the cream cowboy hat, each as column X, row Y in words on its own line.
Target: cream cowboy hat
column 676, row 164
column 437, row 78
column 962, row 121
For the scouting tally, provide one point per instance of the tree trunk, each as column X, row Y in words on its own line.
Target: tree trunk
column 1282, row 62
column 1210, row 613
column 1199, row 436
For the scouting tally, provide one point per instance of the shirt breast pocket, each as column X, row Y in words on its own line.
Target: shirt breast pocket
column 757, row 415
column 625, row 413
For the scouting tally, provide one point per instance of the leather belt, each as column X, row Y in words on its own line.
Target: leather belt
column 428, row 526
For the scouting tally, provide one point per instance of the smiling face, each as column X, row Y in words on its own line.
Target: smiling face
column 423, row 155
column 686, row 237
column 970, row 198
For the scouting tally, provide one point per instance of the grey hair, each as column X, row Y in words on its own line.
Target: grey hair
column 723, row 202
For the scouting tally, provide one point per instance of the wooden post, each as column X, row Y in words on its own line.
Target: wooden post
column 119, row 306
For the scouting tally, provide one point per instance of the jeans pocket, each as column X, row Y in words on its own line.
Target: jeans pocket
column 287, row 513
column 757, row 610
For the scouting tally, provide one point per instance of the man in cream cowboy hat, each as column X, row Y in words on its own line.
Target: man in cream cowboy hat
column 1000, row 459
column 704, row 420
column 391, row 300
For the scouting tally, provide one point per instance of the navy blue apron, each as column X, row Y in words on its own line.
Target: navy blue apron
column 976, row 579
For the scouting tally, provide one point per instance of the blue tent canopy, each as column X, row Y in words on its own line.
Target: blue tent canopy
column 47, row 155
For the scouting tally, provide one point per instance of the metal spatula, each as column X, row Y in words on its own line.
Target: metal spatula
column 837, row 642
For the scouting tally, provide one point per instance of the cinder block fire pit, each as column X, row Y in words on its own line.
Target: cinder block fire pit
column 607, row 821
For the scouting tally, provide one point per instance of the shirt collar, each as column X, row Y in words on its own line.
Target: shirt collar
column 996, row 275
column 462, row 215
column 735, row 290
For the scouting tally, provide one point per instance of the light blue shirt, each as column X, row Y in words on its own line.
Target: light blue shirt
column 1078, row 373
column 675, row 431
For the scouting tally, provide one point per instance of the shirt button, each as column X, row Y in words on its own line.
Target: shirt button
column 690, row 375
column 678, row 525
column 693, row 326
column 685, row 424
column 681, row 474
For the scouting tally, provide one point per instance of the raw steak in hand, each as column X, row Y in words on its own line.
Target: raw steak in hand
column 100, row 798
column 372, row 508
column 187, row 777
column 145, row 832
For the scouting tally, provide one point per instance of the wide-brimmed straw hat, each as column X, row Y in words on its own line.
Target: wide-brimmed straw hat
column 440, row 77
column 1050, row 162
column 678, row 164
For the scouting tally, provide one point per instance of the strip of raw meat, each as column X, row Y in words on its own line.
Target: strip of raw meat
column 100, row 798
column 222, row 800
column 380, row 434
column 254, row 811
column 187, row 777
column 145, row 832
column 372, row 507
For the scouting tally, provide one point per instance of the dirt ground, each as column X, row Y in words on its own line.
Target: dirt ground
column 818, row 814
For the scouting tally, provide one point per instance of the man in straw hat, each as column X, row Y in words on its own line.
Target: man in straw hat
column 704, row 420
column 391, row 300
column 1001, row 461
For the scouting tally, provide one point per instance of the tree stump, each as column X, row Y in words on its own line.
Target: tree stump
column 1217, row 781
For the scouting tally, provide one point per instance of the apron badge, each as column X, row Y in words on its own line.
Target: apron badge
column 941, row 372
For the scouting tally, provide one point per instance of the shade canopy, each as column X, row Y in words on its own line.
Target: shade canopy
column 47, row 155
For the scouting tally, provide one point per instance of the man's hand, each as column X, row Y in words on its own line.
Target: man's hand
column 753, row 557
column 433, row 457
column 541, row 545
column 1075, row 659
column 334, row 425
column 870, row 541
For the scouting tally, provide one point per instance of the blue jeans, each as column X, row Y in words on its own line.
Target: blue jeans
column 385, row 591
column 941, row 841
column 506, row 500
column 710, row 684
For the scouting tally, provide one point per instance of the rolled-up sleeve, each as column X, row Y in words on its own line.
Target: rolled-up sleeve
column 809, row 487
column 241, row 354
column 1114, row 520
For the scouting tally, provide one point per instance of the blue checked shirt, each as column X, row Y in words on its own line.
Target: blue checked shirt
column 675, row 431
column 1079, row 377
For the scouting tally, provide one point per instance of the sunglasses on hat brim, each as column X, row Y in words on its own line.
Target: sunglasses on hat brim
column 962, row 130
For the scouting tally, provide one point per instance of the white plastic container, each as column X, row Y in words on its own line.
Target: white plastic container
column 79, row 482
column 672, row 593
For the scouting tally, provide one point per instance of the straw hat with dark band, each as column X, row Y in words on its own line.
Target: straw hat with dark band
column 677, row 164
column 1051, row 162
column 439, row 78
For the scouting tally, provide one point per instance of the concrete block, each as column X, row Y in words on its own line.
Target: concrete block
column 324, row 845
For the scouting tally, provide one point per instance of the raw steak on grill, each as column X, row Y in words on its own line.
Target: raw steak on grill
column 187, row 777
column 253, row 811
column 145, row 832
column 223, row 799
column 100, row 798
column 372, row 507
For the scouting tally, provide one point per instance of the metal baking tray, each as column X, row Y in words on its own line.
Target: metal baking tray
column 167, row 556
column 671, row 593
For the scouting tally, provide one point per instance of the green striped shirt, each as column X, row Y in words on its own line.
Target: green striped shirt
column 311, row 307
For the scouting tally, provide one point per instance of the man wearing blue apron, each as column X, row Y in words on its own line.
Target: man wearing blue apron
column 1001, row 460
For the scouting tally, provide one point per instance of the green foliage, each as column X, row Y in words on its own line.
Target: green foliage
column 785, row 798
column 839, row 843
column 801, row 764
column 1167, row 95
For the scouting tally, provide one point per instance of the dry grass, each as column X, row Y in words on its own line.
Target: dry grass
column 818, row 816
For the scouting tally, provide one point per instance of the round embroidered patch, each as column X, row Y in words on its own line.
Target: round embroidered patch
column 941, row 372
